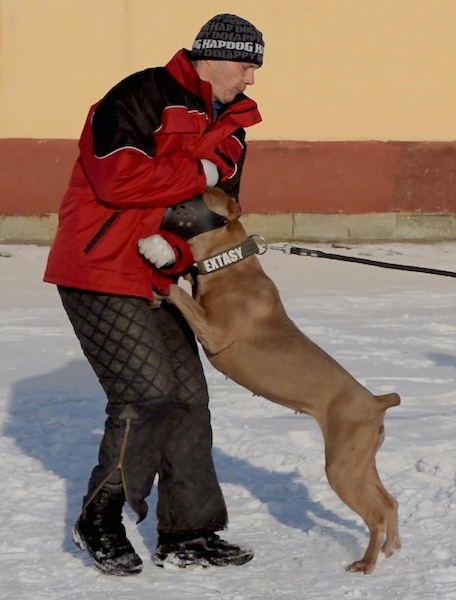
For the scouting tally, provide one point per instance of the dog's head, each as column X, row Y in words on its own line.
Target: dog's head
column 211, row 210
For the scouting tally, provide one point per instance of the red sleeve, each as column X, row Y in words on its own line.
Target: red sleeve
column 183, row 251
column 163, row 278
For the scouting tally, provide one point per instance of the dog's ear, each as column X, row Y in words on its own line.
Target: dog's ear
column 217, row 201
column 222, row 204
column 234, row 210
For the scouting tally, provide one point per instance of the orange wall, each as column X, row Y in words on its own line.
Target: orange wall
column 334, row 69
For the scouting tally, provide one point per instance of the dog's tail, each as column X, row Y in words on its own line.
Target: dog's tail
column 388, row 400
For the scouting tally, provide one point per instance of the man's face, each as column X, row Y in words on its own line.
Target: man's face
column 227, row 78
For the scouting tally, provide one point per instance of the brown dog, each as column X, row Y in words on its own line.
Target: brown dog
column 240, row 321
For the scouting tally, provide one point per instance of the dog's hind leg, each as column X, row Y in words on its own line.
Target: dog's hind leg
column 392, row 541
column 380, row 517
column 352, row 474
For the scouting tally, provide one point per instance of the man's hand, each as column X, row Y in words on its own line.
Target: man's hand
column 210, row 171
column 157, row 251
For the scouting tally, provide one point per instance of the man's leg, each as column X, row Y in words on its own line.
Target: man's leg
column 124, row 341
column 190, row 505
column 117, row 337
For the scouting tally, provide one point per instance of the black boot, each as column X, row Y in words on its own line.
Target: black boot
column 100, row 531
column 199, row 548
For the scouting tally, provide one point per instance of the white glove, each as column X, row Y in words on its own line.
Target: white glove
column 210, row 171
column 157, row 250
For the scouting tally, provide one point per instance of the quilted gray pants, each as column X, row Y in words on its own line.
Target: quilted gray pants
column 158, row 420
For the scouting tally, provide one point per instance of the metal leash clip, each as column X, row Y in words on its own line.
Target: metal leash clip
column 285, row 248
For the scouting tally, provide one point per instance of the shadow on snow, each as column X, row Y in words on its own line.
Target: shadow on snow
column 58, row 419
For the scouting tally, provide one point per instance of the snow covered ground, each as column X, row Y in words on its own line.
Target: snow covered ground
column 392, row 330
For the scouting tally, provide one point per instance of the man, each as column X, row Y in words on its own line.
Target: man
column 158, row 138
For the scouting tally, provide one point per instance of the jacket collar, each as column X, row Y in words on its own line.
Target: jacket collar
column 243, row 108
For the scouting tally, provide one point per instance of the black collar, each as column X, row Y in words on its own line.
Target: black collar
column 230, row 256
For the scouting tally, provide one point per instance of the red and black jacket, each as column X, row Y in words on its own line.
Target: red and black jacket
column 139, row 154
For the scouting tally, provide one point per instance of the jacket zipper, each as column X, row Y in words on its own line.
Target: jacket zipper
column 101, row 232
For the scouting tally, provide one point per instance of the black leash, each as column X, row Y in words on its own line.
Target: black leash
column 289, row 249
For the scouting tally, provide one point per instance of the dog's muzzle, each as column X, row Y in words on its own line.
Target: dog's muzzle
column 191, row 218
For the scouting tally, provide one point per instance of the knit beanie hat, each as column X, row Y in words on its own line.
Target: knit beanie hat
column 228, row 37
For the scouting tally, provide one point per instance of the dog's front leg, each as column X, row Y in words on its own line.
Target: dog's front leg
column 211, row 337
